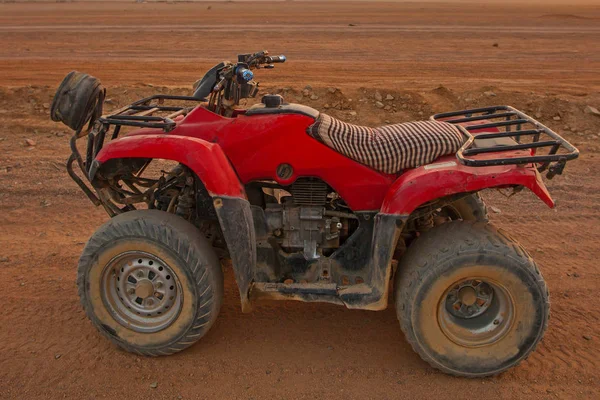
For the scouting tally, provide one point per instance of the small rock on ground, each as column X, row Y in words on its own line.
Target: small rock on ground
column 30, row 142
column 379, row 104
column 154, row 385
column 592, row 110
column 495, row 209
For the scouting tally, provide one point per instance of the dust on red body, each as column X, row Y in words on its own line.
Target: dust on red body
column 227, row 153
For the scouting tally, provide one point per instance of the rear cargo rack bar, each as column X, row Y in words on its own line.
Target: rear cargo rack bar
column 522, row 136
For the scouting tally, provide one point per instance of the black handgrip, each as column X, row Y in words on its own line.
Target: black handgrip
column 275, row 59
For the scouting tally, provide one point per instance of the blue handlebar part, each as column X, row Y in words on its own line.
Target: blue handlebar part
column 245, row 74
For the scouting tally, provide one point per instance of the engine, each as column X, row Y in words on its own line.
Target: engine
column 308, row 217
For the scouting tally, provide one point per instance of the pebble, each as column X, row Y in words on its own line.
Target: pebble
column 556, row 118
column 326, row 106
column 378, row 96
column 379, row 104
column 46, row 105
column 587, row 337
column 314, row 97
column 592, row 110
column 490, row 94
column 353, row 113
column 306, row 92
column 389, row 97
column 30, row 142
column 154, row 385
column 331, row 90
column 495, row 209
column 57, row 356
column 387, row 108
column 4, row 259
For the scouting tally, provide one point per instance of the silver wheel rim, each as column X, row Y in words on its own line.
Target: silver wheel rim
column 141, row 292
column 476, row 312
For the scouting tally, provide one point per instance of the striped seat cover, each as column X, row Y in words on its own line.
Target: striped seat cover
column 389, row 148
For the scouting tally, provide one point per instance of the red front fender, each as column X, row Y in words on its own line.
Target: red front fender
column 448, row 176
column 206, row 159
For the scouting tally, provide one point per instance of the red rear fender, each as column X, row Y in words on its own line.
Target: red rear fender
column 447, row 176
column 206, row 159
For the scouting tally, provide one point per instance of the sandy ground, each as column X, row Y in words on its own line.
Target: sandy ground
column 431, row 57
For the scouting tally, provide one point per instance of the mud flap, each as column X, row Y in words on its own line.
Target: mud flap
column 235, row 217
column 373, row 293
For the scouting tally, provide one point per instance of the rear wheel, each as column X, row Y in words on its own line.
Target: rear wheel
column 469, row 208
column 150, row 282
column 470, row 300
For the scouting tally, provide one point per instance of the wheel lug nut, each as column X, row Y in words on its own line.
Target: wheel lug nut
column 496, row 322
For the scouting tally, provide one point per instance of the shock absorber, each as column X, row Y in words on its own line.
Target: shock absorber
column 186, row 200
column 425, row 223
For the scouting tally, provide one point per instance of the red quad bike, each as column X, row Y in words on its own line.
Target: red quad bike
column 307, row 208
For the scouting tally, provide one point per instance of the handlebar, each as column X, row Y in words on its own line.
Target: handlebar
column 235, row 81
column 275, row 59
column 244, row 74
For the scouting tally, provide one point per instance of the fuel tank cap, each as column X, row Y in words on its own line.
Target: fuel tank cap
column 272, row 100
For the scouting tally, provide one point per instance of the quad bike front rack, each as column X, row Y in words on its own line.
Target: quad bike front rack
column 141, row 113
column 156, row 111
column 528, row 134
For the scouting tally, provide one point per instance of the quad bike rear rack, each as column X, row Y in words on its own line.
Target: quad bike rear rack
column 498, row 122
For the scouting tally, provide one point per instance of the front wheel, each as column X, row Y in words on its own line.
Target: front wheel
column 150, row 282
column 470, row 300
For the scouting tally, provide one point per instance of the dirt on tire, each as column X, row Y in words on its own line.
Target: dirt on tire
column 541, row 57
